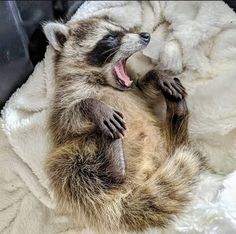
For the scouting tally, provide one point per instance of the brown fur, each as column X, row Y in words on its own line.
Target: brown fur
column 160, row 168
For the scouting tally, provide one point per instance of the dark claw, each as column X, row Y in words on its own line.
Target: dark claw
column 172, row 89
column 169, row 91
column 120, row 114
column 180, row 86
column 117, row 126
column 177, row 80
column 113, row 130
column 167, row 85
column 179, row 96
column 120, row 121
column 178, row 89
column 109, row 121
column 108, row 130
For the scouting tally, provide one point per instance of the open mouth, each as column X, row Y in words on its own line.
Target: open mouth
column 120, row 74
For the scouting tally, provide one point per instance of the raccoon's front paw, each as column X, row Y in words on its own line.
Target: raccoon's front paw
column 171, row 88
column 110, row 122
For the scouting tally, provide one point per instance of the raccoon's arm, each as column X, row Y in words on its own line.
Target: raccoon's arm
column 80, row 117
column 91, row 116
column 175, row 126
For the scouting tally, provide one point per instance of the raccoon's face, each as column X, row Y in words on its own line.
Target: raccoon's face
column 98, row 45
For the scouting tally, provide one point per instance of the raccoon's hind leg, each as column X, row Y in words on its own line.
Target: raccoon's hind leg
column 83, row 169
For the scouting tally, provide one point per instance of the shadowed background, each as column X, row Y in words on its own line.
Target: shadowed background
column 23, row 43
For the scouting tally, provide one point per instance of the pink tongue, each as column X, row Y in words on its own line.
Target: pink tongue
column 120, row 72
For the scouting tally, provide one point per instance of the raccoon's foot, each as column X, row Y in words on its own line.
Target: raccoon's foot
column 171, row 88
column 108, row 120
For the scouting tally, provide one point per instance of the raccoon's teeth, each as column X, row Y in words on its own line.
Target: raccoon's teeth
column 121, row 75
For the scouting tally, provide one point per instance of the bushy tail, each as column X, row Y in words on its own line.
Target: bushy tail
column 163, row 196
column 82, row 185
column 79, row 183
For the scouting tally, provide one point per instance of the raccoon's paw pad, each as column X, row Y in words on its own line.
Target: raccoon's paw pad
column 113, row 124
column 172, row 89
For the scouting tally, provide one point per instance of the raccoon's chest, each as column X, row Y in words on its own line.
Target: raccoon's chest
column 142, row 125
column 144, row 146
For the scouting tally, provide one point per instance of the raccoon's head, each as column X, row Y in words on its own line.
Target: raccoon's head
column 97, row 45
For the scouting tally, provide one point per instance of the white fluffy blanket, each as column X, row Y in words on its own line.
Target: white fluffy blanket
column 197, row 41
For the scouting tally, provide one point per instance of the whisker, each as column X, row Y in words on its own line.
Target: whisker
column 110, row 55
column 110, row 49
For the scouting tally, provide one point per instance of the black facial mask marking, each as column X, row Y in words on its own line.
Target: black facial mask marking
column 105, row 49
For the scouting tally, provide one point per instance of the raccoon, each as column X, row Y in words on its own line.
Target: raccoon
column 113, row 162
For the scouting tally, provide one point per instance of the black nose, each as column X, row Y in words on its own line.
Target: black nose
column 145, row 36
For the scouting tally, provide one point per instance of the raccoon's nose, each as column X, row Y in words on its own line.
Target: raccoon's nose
column 145, row 36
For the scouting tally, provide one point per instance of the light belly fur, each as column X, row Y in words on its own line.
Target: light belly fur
column 144, row 144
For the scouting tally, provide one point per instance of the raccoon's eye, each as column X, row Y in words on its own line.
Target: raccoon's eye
column 111, row 37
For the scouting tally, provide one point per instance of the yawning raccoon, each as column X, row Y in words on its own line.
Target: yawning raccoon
column 113, row 162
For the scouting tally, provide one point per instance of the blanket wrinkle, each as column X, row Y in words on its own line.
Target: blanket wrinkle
column 193, row 39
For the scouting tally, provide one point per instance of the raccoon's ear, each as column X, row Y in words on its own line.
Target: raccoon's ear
column 106, row 17
column 56, row 34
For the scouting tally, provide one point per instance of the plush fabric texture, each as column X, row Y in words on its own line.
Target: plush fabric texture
column 196, row 41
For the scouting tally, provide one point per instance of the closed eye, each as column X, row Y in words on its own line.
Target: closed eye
column 110, row 36
column 113, row 35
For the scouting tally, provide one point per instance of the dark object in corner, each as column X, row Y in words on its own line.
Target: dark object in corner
column 231, row 4
column 23, row 43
